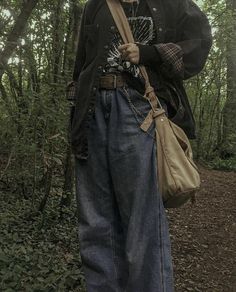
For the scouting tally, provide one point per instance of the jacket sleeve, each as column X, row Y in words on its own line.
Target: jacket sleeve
column 80, row 53
column 193, row 37
column 79, row 60
column 187, row 56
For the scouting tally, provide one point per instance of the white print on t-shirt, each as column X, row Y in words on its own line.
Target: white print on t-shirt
column 143, row 31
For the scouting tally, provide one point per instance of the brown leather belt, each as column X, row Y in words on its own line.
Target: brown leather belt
column 111, row 81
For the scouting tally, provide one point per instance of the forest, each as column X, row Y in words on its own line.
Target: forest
column 39, row 248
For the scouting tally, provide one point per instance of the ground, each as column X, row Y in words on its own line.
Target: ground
column 204, row 236
column 40, row 252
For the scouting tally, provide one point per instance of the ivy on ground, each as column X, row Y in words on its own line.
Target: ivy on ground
column 38, row 251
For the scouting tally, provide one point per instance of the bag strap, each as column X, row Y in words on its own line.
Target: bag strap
column 123, row 26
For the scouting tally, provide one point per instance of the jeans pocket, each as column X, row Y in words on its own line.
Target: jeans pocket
column 140, row 108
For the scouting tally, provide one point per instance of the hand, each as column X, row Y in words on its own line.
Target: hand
column 130, row 52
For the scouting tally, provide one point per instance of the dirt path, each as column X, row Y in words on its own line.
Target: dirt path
column 204, row 236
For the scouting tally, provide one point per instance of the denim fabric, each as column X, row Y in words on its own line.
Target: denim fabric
column 123, row 229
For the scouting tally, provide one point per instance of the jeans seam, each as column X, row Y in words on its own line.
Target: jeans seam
column 113, row 253
column 161, row 248
column 159, row 220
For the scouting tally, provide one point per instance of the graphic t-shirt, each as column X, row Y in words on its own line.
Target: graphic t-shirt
column 143, row 30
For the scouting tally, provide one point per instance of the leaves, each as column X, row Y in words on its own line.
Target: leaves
column 33, row 259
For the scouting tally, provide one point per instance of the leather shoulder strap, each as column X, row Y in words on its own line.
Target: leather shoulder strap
column 124, row 29
column 121, row 20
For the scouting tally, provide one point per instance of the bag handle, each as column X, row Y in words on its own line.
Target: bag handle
column 123, row 26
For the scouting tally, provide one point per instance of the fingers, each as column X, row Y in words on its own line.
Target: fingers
column 127, row 48
column 123, row 47
column 129, row 52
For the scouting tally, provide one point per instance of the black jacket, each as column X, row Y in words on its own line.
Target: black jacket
column 177, row 21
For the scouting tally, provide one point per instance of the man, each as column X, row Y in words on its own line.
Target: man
column 123, row 230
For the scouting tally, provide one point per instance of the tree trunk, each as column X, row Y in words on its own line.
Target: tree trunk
column 16, row 32
column 57, row 40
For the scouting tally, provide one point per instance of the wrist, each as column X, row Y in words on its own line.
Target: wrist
column 148, row 54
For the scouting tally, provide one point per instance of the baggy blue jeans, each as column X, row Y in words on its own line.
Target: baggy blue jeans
column 123, row 229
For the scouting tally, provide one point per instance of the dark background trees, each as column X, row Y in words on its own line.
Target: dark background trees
column 36, row 59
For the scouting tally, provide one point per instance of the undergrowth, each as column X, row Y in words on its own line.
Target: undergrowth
column 38, row 251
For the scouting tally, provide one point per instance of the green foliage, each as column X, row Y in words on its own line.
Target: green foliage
column 208, row 91
column 38, row 251
column 224, row 164
column 34, row 112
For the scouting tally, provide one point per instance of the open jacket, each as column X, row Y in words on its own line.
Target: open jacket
column 178, row 22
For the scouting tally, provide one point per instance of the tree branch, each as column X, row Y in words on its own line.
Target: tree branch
column 16, row 32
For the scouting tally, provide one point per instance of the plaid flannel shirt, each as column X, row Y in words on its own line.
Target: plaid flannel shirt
column 172, row 60
column 71, row 90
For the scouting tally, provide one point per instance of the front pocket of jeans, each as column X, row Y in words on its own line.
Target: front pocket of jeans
column 140, row 108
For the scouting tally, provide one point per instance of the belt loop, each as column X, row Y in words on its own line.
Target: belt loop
column 115, row 81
